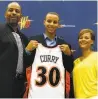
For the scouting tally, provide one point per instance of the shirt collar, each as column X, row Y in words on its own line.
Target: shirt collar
column 46, row 37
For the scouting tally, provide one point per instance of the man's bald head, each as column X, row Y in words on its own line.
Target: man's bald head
column 14, row 3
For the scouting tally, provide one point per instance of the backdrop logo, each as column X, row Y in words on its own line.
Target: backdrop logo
column 24, row 22
column 64, row 25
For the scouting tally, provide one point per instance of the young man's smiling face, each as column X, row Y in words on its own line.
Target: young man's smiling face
column 51, row 23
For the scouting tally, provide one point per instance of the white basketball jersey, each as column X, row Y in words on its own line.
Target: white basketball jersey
column 47, row 77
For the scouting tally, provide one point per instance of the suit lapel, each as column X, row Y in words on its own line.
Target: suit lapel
column 10, row 35
column 42, row 40
column 57, row 43
column 21, row 37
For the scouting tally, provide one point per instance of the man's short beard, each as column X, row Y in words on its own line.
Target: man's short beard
column 13, row 24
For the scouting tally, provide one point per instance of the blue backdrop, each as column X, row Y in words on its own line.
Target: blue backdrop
column 76, row 15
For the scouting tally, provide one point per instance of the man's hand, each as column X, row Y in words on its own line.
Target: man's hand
column 65, row 48
column 32, row 45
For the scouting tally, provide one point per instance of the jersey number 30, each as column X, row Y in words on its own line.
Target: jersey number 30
column 52, row 76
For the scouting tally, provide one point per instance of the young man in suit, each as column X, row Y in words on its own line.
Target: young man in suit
column 12, row 44
column 50, row 39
